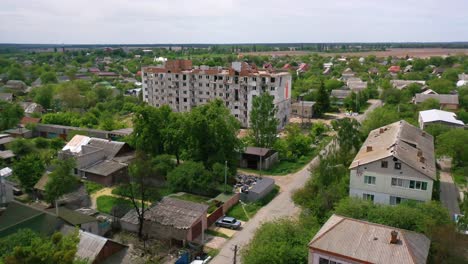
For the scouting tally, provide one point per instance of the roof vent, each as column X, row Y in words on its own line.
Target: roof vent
column 369, row 148
column 381, row 130
column 420, row 153
column 394, row 237
column 422, row 159
column 423, row 134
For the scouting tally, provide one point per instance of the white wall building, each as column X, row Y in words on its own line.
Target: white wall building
column 395, row 163
column 182, row 87
column 436, row 116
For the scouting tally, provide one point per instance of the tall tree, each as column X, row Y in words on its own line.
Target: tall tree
column 61, row 180
column 263, row 121
column 348, row 134
column 10, row 114
column 323, row 101
column 29, row 169
column 44, row 96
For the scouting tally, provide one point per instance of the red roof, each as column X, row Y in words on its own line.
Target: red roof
column 138, row 73
column 29, row 120
column 394, row 69
column 287, row 66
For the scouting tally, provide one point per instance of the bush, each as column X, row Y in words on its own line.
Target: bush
column 92, row 187
column 41, row 143
column 191, row 177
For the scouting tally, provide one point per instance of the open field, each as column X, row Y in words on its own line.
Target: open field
column 412, row 52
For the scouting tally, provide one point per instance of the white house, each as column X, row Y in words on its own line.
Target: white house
column 395, row 163
column 435, row 116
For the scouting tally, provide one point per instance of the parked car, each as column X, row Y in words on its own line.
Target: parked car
column 228, row 222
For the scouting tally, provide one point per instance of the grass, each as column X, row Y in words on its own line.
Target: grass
column 285, row 167
column 251, row 208
column 459, row 175
column 92, row 187
column 213, row 252
column 216, row 233
column 105, row 203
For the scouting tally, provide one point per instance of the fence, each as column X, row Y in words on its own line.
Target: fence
column 222, row 210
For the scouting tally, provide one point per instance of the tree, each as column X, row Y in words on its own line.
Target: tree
column 10, row 114
column 15, row 73
column 441, row 86
column 430, row 103
column 28, row 247
column 190, row 177
column 333, row 84
column 48, row 77
column 61, row 180
column 29, row 170
column 453, row 144
column 279, row 241
column 348, row 135
column 318, row 129
column 379, row 117
column 323, row 101
column 263, row 121
column 163, row 164
column 174, row 135
column 44, row 96
column 298, row 143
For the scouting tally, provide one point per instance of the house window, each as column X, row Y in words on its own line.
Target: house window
column 394, row 200
column 327, row 261
column 369, row 179
column 397, row 166
column 369, row 197
column 384, row 164
column 272, row 88
column 410, row 184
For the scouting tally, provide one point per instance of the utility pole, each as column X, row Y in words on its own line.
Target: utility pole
column 234, row 260
column 225, row 176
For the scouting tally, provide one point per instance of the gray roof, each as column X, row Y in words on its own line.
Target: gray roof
column 6, row 96
column 442, row 98
column 111, row 148
column 402, row 141
column 401, row 84
column 256, row 151
column 262, row 184
column 91, row 245
column 176, row 213
column 340, row 94
column 6, row 140
column 105, row 167
column 6, row 154
column 369, row 242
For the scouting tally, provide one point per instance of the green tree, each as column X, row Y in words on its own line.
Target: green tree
column 190, row 177
column 441, row 86
column 10, row 114
column 298, row 143
column 34, row 249
column 333, row 84
column 16, row 73
column 61, row 180
column 29, row 170
column 174, row 135
column 379, row 117
column 22, row 147
column 453, row 144
column 44, row 96
column 348, row 135
column 429, row 104
column 280, row 241
column 48, row 77
column 263, row 121
column 163, row 164
column 323, row 101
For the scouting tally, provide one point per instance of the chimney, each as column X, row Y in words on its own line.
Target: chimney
column 394, row 237
column 369, row 148
column 423, row 134
column 381, row 130
column 422, row 159
column 419, row 153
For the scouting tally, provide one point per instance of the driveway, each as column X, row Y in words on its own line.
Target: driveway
column 448, row 189
column 281, row 206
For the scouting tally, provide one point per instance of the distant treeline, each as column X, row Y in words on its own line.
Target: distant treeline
column 240, row 47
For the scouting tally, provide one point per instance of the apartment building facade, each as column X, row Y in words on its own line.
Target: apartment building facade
column 395, row 163
column 182, row 87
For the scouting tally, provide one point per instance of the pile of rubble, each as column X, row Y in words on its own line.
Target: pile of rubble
column 244, row 183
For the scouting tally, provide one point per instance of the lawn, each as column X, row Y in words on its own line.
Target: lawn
column 237, row 211
column 285, row 167
column 105, row 203
column 92, row 187
column 460, row 175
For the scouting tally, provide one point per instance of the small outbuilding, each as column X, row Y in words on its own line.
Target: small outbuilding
column 260, row 189
column 303, row 109
column 436, row 116
column 258, row 158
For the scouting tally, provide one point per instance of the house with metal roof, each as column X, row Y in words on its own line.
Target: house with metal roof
column 347, row 240
column 97, row 249
column 435, row 116
column 447, row 101
column 395, row 163
column 99, row 160
column 258, row 158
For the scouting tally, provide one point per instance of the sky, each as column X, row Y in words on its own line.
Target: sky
column 231, row 21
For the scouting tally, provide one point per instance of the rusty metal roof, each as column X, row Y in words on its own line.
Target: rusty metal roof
column 256, row 151
column 369, row 242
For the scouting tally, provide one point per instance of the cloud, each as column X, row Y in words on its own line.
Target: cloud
column 231, row 21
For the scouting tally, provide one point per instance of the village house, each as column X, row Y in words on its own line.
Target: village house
column 99, row 160
column 395, row 163
column 16, row 86
column 356, row 84
column 394, row 69
column 343, row 240
column 346, row 74
column 402, row 84
column 304, row 109
column 6, row 97
column 436, row 116
column 446, row 101
column 339, row 95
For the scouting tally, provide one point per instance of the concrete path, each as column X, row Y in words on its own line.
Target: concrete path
column 281, row 206
column 448, row 189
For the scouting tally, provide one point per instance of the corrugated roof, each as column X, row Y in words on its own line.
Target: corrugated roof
column 403, row 141
column 439, row 115
column 6, row 154
column 111, row 148
column 177, row 213
column 41, row 183
column 74, row 145
column 90, row 246
column 256, row 151
column 6, row 140
column 72, row 217
column 400, row 84
column 340, row 94
column 442, row 98
column 105, row 167
column 370, row 242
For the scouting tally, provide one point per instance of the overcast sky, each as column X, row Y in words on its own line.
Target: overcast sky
column 231, row 21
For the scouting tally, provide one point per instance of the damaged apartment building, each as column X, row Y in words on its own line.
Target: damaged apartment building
column 182, row 86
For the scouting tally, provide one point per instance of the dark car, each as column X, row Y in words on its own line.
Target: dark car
column 228, row 222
